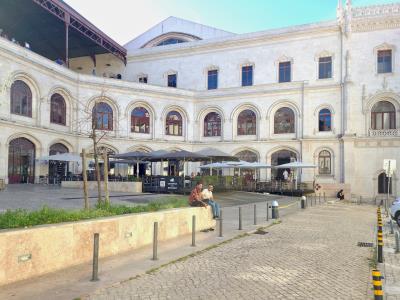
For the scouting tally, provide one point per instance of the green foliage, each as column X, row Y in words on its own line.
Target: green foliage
column 23, row 218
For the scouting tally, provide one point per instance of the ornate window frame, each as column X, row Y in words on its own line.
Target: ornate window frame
column 322, row 54
column 282, row 59
column 246, row 63
column 384, row 46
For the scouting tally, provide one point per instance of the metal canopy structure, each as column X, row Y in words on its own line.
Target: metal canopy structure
column 55, row 30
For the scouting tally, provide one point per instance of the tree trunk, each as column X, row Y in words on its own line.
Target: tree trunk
column 97, row 167
column 84, row 175
column 107, row 194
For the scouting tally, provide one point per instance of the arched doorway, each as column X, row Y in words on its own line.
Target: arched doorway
column 57, row 169
column 21, row 161
column 383, row 183
column 279, row 158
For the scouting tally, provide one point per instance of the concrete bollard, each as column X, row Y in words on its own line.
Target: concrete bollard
column 193, row 231
column 240, row 218
column 377, row 283
column 397, row 242
column 275, row 210
column 303, row 202
column 220, row 224
column 95, row 270
column 255, row 214
column 155, row 241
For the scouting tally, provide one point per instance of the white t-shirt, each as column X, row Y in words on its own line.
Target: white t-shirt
column 206, row 194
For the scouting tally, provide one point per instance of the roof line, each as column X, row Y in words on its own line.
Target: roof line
column 63, row 11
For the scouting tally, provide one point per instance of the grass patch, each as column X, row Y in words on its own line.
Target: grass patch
column 21, row 218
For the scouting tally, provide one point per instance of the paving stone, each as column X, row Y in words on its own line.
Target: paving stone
column 312, row 255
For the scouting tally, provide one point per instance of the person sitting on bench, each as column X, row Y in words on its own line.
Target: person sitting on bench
column 207, row 195
column 195, row 198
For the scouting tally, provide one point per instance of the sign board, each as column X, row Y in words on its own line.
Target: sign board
column 162, row 183
column 389, row 165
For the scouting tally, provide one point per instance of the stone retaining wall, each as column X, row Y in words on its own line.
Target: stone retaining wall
column 26, row 253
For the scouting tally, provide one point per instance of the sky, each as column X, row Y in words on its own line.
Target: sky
column 123, row 20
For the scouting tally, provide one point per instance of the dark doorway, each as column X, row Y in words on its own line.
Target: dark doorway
column 57, row 169
column 21, row 161
column 383, row 182
column 279, row 158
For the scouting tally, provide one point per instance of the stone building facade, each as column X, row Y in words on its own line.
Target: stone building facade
column 327, row 93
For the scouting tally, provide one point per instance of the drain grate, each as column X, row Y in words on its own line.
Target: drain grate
column 364, row 244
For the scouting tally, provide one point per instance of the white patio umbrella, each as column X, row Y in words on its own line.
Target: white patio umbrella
column 70, row 157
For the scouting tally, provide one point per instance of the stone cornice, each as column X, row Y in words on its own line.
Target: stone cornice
column 235, row 42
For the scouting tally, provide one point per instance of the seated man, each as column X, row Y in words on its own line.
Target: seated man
column 340, row 195
column 208, row 197
column 195, row 196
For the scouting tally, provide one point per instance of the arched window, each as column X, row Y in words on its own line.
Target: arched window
column 212, row 124
column 171, row 41
column 324, row 162
column 57, row 110
column 21, row 161
column 140, row 120
column 102, row 116
column 58, row 148
column 247, row 155
column 284, row 121
column 325, row 120
column 173, row 124
column 383, row 184
column 21, row 99
column 383, row 116
column 246, row 123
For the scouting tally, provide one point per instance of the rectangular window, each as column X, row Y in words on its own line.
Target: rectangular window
column 325, row 67
column 212, row 79
column 172, row 80
column 143, row 79
column 247, row 75
column 385, row 61
column 284, row 71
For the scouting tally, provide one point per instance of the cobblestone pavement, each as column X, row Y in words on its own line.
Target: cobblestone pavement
column 310, row 255
column 391, row 265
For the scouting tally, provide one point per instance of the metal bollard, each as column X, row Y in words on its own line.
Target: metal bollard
column 377, row 282
column 240, row 218
column 360, row 200
column 267, row 210
column 324, row 197
column 95, row 272
column 193, row 231
column 220, row 224
column 380, row 247
column 397, row 242
column 311, row 198
column 275, row 210
column 303, row 202
column 255, row 214
column 155, row 241
column 319, row 199
column 391, row 227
